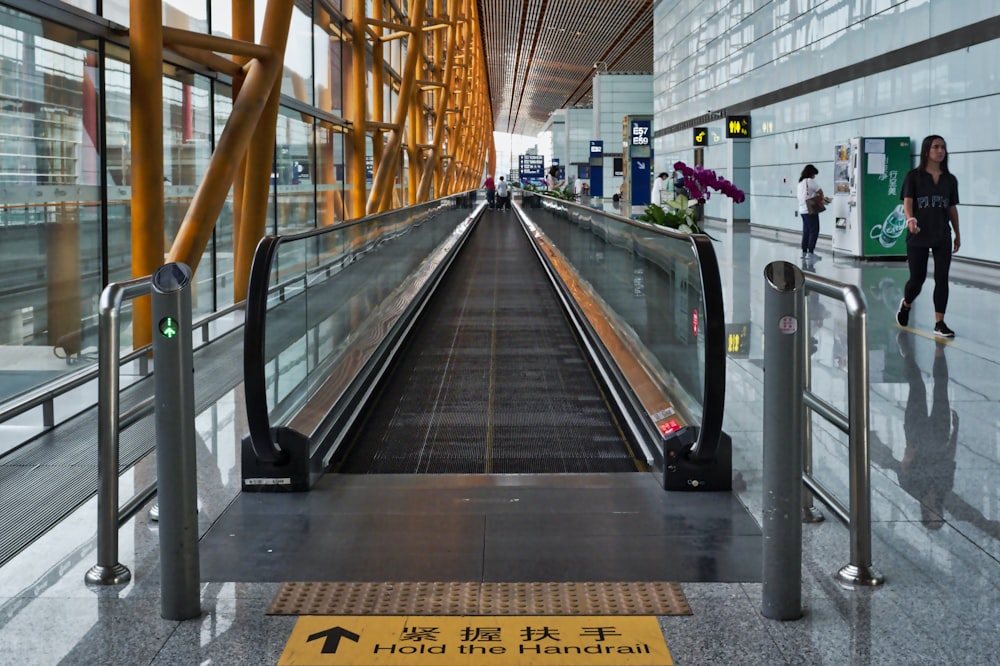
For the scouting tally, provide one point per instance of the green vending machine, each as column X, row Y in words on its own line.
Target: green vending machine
column 868, row 214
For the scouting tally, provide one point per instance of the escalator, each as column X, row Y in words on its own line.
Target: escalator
column 491, row 379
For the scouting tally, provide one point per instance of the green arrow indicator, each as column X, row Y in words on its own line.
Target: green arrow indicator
column 168, row 327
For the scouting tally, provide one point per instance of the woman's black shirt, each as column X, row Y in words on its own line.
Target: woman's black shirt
column 931, row 203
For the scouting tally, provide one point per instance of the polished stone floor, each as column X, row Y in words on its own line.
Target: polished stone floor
column 935, row 427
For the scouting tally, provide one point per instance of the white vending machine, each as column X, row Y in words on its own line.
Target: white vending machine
column 868, row 214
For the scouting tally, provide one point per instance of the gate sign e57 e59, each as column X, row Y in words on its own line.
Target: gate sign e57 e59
column 640, row 134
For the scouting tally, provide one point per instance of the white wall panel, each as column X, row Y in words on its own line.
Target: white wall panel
column 718, row 55
column 944, row 16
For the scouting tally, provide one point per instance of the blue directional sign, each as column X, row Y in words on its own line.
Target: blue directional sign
column 532, row 168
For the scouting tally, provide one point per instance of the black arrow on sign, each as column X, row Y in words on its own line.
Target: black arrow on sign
column 333, row 637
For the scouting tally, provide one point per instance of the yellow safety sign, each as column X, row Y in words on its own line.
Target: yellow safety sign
column 525, row 640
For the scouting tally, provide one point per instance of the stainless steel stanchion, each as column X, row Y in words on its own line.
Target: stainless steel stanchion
column 173, row 378
column 810, row 512
column 108, row 570
column 860, row 570
column 784, row 358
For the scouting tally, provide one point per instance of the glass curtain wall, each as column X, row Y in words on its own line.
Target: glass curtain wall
column 294, row 196
column 66, row 165
column 187, row 148
column 222, row 266
column 51, row 211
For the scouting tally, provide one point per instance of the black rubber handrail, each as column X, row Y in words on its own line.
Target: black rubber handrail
column 259, row 427
column 254, row 383
column 714, row 401
column 709, row 439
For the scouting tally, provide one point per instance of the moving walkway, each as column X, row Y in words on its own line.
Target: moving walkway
column 559, row 339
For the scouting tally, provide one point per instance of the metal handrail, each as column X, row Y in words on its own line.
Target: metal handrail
column 108, row 570
column 708, row 443
column 259, row 288
column 788, row 406
column 855, row 424
column 110, row 422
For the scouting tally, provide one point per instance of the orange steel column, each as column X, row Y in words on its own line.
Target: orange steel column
column 455, row 120
column 476, row 163
column 378, row 83
column 207, row 203
column 62, row 289
column 416, row 116
column 436, row 72
column 379, row 198
column 329, row 199
column 452, row 117
column 476, row 173
column 359, row 77
column 146, row 132
column 440, row 112
column 462, row 127
column 243, row 30
column 484, row 134
column 466, row 133
column 260, row 154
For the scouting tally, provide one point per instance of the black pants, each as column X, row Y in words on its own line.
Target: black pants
column 916, row 258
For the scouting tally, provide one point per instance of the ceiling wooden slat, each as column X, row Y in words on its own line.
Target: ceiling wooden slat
column 541, row 54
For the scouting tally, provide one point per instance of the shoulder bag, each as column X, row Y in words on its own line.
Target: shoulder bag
column 815, row 204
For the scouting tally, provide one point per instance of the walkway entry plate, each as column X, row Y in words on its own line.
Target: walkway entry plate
column 480, row 598
column 432, row 640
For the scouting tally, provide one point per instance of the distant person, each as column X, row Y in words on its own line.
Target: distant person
column 503, row 194
column 491, row 191
column 659, row 184
column 552, row 181
column 679, row 188
column 930, row 197
column 808, row 190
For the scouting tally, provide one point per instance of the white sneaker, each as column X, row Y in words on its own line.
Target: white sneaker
column 813, row 257
column 804, row 254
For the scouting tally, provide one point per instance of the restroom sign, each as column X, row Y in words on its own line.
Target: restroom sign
column 352, row 640
column 737, row 127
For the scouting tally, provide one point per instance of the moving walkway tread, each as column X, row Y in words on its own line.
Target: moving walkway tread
column 492, row 379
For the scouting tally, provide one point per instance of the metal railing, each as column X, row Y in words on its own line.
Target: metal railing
column 45, row 396
column 855, row 424
column 788, row 405
column 110, row 423
column 108, row 570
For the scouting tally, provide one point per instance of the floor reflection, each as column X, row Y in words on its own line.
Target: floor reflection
column 927, row 468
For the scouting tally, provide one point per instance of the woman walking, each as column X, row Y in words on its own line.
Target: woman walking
column 930, row 197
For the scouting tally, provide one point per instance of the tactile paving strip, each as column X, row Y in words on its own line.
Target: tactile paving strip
column 458, row 598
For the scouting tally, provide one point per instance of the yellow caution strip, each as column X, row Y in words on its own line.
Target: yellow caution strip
column 431, row 640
